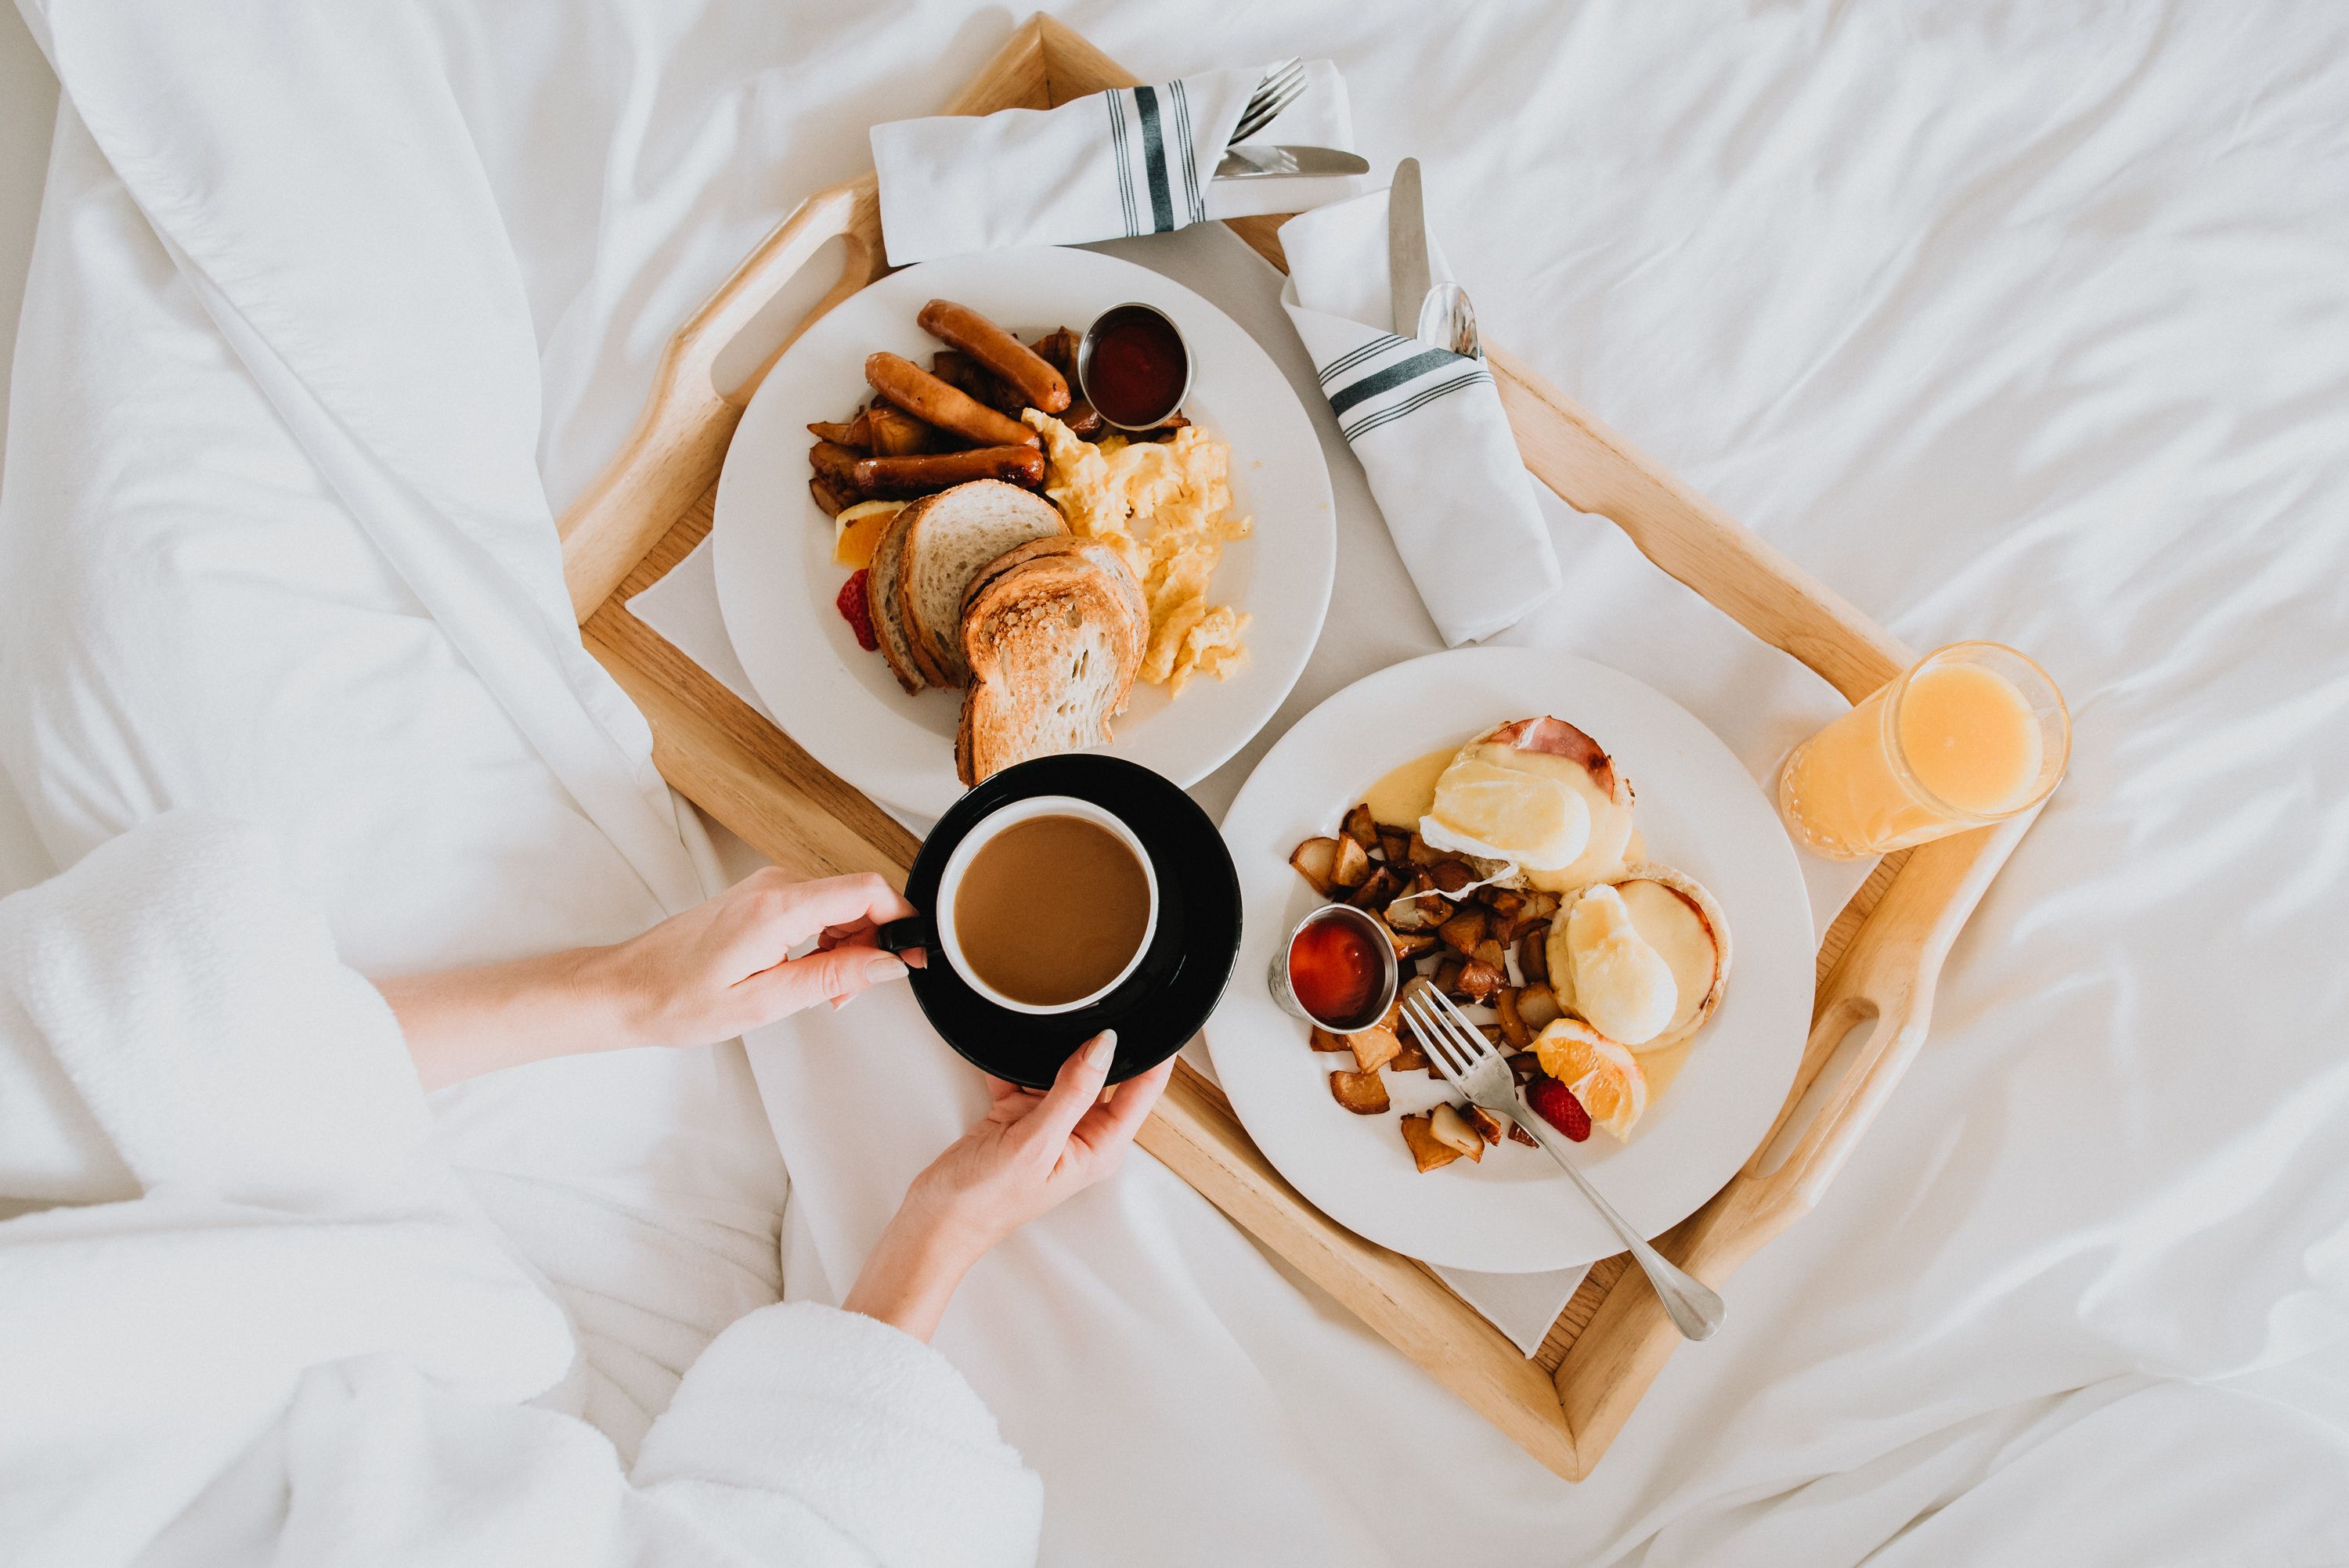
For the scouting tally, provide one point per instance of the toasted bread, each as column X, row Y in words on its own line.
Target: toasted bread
column 1099, row 551
column 950, row 538
column 882, row 606
column 1053, row 635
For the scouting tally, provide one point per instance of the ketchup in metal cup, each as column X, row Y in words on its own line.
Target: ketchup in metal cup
column 1335, row 970
column 1138, row 370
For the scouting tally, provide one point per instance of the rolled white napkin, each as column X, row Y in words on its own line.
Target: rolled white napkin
column 1135, row 160
column 1425, row 424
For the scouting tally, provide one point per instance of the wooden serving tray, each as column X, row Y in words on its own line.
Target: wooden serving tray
column 1878, row 964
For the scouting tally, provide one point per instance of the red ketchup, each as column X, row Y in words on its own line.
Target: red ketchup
column 1138, row 368
column 1334, row 970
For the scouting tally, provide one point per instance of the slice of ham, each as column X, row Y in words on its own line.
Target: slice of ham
column 1559, row 738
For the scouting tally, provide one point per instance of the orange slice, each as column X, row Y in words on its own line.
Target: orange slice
column 857, row 532
column 1603, row 1074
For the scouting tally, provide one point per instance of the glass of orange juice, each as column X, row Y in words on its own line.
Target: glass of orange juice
column 1974, row 732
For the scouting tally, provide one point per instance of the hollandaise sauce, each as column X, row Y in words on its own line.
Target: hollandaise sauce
column 1406, row 793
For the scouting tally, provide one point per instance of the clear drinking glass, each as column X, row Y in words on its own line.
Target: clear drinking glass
column 1972, row 733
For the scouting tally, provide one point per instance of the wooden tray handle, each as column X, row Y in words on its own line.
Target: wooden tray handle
column 1593, row 468
column 1886, row 976
column 680, row 442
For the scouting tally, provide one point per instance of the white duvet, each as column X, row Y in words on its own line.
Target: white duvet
column 2010, row 322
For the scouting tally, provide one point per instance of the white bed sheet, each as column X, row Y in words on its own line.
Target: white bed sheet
column 28, row 102
column 2009, row 322
column 192, row 619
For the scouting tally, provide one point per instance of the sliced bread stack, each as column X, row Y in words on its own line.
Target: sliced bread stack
column 1052, row 634
column 923, row 564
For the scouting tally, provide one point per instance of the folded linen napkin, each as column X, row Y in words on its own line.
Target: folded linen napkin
column 1425, row 424
column 1134, row 161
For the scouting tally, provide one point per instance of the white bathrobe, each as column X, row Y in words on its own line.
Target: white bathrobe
column 247, row 1314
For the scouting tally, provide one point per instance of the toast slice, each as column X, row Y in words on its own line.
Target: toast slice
column 950, row 538
column 1053, row 639
column 884, row 607
column 1101, row 553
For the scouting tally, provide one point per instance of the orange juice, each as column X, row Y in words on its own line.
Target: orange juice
column 1973, row 733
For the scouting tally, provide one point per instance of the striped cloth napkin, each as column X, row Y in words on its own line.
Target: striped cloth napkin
column 1426, row 426
column 1114, row 165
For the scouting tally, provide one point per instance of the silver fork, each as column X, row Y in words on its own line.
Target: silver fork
column 1470, row 1063
column 1282, row 85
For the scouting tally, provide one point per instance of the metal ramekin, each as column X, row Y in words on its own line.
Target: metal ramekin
column 1383, row 943
column 1085, row 359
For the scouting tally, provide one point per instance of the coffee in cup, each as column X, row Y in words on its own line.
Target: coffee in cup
column 1047, row 905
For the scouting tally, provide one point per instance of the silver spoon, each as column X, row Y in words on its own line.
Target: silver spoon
column 1446, row 320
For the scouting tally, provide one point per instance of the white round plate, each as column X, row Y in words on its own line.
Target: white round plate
column 1698, row 811
column 777, row 583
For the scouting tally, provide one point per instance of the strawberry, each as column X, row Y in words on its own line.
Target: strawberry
column 1554, row 1103
column 851, row 605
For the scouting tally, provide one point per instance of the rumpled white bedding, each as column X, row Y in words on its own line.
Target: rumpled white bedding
column 195, row 616
column 2010, row 322
column 251, row 1313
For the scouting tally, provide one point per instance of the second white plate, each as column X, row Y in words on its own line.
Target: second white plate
column 1698, row 811
column 777, row 582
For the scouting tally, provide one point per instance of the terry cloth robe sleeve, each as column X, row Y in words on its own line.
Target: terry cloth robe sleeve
column 247, row 1311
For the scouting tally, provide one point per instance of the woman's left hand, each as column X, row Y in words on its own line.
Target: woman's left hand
column 695, row 979
column 719, row 968
column 1030, row 1151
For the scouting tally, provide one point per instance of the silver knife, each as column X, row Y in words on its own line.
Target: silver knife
column 1288, row 163
column 1407, row 276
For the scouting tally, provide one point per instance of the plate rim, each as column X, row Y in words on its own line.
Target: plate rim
column 732, row 516
column 1457, row 1248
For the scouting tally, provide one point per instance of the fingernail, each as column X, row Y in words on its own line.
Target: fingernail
column 1105, row 1047
column 888, row 966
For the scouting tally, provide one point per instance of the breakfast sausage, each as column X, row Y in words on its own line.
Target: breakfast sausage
column 927, row 398
column 1036, row 380
column 927, row 473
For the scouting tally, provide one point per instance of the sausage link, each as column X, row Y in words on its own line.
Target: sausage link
column 930, row 399
column 1037, row 381
column 930, row 473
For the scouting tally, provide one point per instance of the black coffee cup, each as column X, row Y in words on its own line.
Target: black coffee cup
column 1178, row 971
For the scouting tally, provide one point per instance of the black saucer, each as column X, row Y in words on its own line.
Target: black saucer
column 1169, row 995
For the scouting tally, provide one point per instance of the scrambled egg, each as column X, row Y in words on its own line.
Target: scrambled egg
column 1166, row 507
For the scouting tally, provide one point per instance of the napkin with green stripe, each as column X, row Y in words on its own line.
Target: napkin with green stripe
column 1112, row 165
column 1426, row 424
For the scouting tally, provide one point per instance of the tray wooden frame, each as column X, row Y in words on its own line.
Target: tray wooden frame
column 1878, row 964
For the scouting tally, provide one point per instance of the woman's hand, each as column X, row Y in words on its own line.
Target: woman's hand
column 719, row 968
column 1028, row 1153
column 696, row 978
